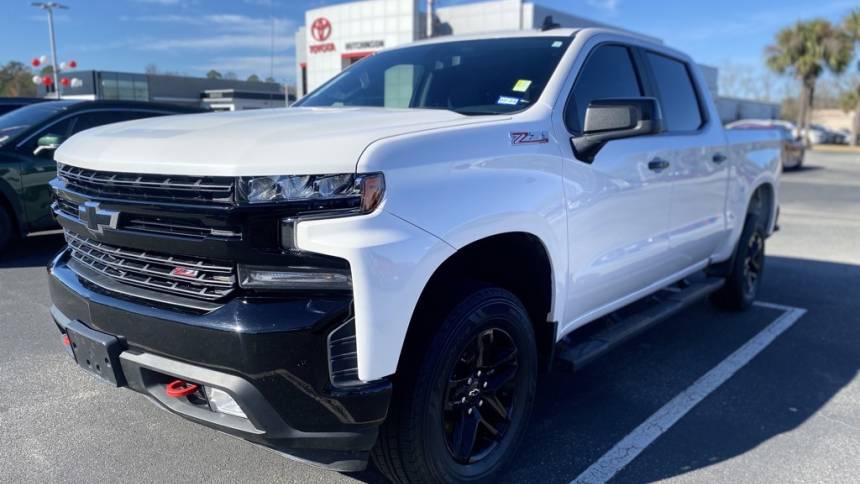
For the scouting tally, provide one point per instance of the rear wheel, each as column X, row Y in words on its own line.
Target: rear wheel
column 747, row 264
column 461, row 410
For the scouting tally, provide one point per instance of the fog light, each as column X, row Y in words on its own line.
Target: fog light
column 221, row 402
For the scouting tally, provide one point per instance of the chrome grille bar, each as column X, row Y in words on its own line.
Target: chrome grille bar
column 177, row 188
column 206, row 280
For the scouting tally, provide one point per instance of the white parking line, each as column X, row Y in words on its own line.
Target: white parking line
column 639, row 439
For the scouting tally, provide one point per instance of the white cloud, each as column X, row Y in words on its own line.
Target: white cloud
column 159, row 2
column 244, row 66
column 262, row 3
column 225, row 41
column 224, row 31
column 609, row 5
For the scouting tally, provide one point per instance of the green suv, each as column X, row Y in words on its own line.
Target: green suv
column 28, row 138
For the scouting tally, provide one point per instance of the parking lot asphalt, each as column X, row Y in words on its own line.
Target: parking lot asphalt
column 791, row 414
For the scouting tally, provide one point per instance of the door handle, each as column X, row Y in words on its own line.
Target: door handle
column 658, row 164
column 719, row 158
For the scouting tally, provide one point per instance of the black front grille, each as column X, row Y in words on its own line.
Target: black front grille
column 181, row 276
column 188, row 228
column 153, row 188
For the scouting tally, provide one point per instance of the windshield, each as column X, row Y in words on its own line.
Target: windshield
column 491, row 76
column 14, row 123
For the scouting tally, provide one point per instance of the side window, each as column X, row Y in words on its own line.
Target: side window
column 60, row 131
column 677, row 95
column 607, row 73
column 93, row 119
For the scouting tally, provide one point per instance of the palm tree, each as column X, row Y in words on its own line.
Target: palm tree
column 805, row 50
column 851, row 99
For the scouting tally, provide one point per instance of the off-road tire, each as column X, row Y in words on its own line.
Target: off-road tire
column 747, row 264
column 414, row 443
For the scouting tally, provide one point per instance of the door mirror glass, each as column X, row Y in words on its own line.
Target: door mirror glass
column 617, row 118
column 47, row 144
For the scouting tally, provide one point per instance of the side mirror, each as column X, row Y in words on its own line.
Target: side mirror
column 49, row 142
column 617, row 118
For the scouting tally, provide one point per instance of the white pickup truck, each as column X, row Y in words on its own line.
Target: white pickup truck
column 383, row 270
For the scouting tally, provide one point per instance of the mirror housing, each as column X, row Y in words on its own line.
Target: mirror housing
column 48, row 142
column 616, row 118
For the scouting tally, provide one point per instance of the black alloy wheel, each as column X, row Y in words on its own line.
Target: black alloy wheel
column 479, row 398
column 464, row 392
column 753, row 263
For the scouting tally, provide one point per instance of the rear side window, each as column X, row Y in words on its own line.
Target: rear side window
column 678, row 98
column 607, row 73
column 93, row 119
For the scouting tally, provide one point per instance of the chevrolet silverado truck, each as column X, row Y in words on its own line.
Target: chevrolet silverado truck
column 383, row 271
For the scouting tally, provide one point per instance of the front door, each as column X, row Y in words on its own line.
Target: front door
column 618, row 205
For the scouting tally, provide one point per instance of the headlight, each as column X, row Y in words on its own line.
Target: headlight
column 358, row 193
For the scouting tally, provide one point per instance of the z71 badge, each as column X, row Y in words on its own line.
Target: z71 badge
column 529, row 137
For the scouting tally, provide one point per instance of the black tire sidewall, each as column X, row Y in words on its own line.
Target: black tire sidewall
column 482, row 310
column 737, row 280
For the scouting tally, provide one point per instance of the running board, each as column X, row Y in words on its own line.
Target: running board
column 584, row 346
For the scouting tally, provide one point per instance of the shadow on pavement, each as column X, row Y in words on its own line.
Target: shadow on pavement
column 32, row 251
column 803, row 168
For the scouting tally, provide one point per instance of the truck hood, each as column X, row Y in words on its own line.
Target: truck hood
column 261, row 142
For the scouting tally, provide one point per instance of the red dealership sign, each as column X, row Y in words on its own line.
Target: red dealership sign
column 321, row 29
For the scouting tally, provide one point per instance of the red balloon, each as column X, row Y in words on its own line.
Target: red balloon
column 72, row 64
column 35, row 62
column 47, row 80
column 65, row 82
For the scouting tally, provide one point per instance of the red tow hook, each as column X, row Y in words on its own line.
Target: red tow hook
column 180, row 388
column 66, row 340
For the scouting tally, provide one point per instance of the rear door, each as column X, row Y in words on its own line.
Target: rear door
column 698, row 162
column 617, row 206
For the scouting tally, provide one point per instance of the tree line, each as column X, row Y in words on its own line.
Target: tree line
column 808, row 49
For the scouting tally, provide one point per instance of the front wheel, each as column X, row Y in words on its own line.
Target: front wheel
column 461, row 410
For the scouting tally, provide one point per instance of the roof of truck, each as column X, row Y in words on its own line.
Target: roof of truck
column 531, row 33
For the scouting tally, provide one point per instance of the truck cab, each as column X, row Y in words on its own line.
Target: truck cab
column 383, row 269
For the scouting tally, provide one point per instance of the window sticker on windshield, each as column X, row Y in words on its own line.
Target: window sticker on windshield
column 510, row 101
column 557, row 43
column 522, row 85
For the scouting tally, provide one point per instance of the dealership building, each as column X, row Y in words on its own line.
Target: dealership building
column 215, row 94
column 336, row 36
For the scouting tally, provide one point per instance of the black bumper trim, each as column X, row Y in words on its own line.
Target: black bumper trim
column 269, row 354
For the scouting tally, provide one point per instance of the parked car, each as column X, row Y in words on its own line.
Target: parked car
column 8, row 104
column 793, row 147
column 384, row 268
column 820, row 135
column 28, row 138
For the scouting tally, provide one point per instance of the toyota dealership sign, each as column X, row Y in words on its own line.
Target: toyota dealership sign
column 321, row 31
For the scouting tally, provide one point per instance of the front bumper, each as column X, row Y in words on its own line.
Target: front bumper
column 269, row 354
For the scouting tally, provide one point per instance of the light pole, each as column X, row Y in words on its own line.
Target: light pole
column 49, row 7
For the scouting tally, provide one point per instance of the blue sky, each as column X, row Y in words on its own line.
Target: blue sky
column 192, row 36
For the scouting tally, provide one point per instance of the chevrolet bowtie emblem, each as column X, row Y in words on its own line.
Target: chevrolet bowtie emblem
column 97, row 219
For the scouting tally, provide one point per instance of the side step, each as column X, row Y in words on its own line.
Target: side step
column 584, row 346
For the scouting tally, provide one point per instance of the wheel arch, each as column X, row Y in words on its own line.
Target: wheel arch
column 526, row 271
column 770, row 207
